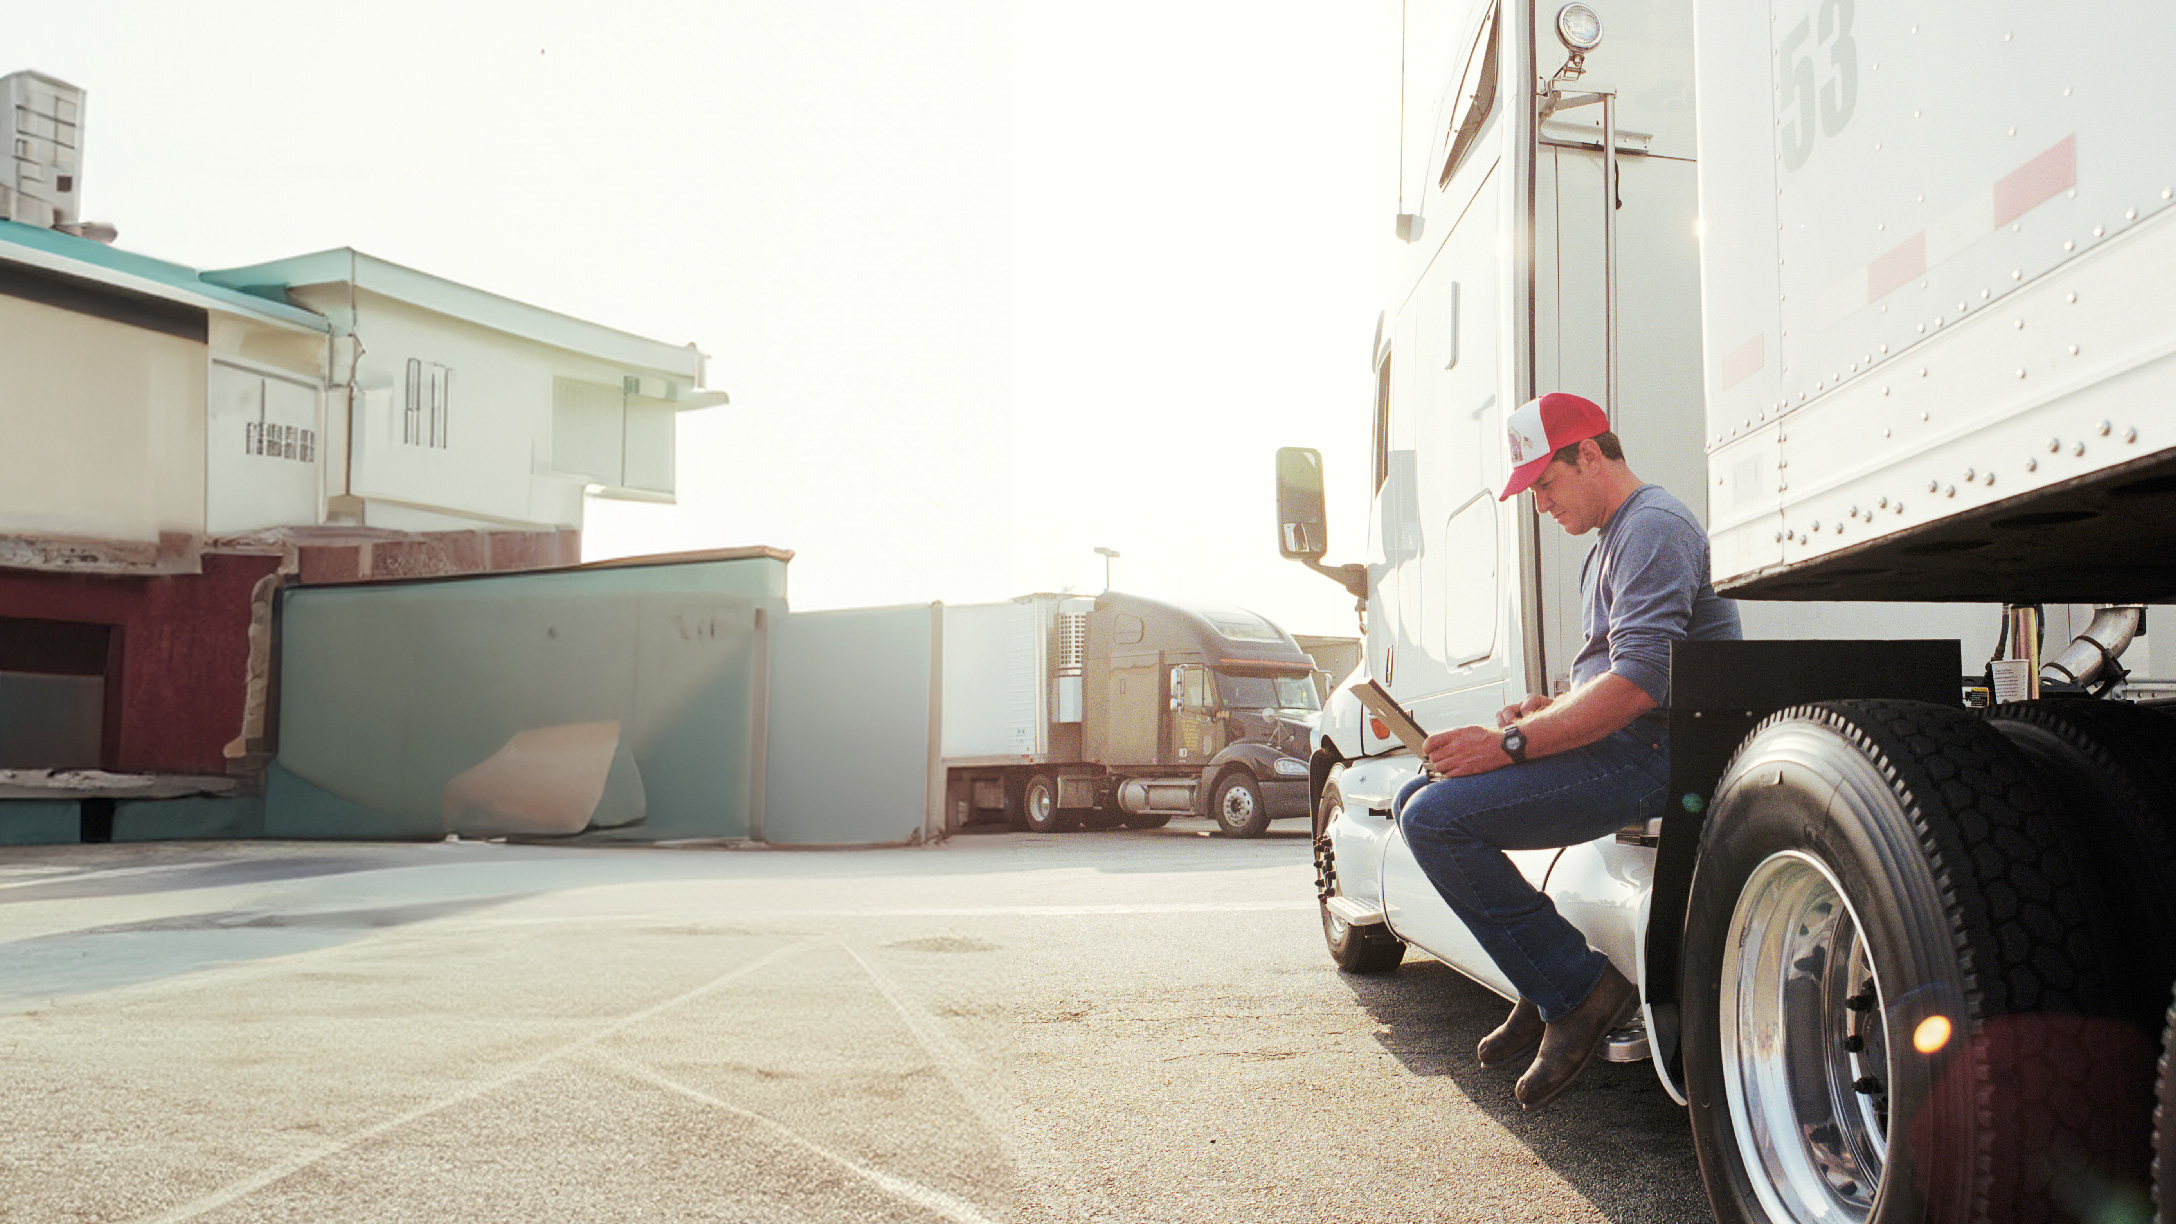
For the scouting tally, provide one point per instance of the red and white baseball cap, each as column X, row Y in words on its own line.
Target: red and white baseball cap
column 1543, row 426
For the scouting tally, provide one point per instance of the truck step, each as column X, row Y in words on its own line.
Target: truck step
column 1626, row 1044
column 1355, row 913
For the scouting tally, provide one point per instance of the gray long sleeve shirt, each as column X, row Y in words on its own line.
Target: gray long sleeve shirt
column 1645, row 585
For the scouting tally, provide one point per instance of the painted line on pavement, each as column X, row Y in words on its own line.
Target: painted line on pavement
column 949, row 1206
column 971, row 1077
column 295, row 1164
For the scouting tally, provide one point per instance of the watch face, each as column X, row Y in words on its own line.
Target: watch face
column 1514, row 741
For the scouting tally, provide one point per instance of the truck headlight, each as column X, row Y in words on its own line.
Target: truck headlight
column 1288, row 768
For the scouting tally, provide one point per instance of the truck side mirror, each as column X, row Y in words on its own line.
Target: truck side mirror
column 1302, row 521
column 1303, row 529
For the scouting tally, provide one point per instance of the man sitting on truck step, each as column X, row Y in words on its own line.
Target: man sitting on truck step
column 1562, row 771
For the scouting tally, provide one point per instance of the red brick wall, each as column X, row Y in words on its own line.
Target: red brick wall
column 435, row 554
column 184, row 652
column 185, row 638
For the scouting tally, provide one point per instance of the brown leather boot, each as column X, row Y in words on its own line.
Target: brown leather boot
column 1519, row 1033
column 1568, row 1045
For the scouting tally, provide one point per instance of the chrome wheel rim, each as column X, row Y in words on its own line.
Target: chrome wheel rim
column 1039, row 804
column 1804, row 1047
column 1238, row 806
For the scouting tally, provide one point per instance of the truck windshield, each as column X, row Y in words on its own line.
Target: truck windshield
column 1267, row 692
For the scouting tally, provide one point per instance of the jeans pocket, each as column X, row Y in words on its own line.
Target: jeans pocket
column 1656, row 761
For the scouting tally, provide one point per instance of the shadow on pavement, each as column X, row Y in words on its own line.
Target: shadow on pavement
column 167, row 876
column 130, row 953
column 1615, row 1135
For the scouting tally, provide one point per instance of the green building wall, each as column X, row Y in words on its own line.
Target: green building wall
column 387, row 692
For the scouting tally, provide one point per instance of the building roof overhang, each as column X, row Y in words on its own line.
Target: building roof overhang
column 347, row 266
column 81, row 259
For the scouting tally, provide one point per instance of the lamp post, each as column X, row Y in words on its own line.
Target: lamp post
column 1108, row 555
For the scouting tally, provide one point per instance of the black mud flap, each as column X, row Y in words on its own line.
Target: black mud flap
column 1325, row 759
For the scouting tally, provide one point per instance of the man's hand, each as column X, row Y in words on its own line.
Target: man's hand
column 1534, row 704
column 1466, row 750
column 1586, row 714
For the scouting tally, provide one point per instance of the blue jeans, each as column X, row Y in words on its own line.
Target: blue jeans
column 1459, row 828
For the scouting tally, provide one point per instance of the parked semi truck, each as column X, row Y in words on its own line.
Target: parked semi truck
column 1063, row 710
column 1886, row 298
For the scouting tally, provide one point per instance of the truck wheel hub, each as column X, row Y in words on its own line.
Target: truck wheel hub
column 1805, row 1051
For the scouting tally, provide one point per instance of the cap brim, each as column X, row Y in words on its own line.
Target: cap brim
column 1524, row 475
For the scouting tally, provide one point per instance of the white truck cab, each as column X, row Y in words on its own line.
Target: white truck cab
column 1884, row 299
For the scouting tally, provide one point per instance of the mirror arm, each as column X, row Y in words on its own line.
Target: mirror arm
column 1354, row 578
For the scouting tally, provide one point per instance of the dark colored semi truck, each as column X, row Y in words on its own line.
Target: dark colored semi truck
column 1065, row 711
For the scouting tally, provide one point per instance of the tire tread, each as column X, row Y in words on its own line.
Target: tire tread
column 2029, row 929
column 2123, row 808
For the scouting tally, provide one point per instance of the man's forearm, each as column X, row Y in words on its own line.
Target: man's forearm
column 1603, row 705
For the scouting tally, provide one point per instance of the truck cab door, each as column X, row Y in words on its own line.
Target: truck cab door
column 1193, row 734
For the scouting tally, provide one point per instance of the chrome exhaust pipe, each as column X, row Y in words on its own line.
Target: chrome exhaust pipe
column 2104, row 640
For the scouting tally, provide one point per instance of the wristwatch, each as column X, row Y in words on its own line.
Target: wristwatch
column 1515, row 744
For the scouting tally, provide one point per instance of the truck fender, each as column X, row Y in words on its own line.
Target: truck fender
column 1661, row 1019
column 1256, row 756
column 1342, row 718
column 1259, row 759
column 1322, row 767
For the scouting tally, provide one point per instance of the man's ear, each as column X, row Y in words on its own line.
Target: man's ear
column 1590, row 452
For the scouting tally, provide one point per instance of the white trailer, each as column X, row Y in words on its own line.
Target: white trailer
column 1885, row 298
column 1001, row 692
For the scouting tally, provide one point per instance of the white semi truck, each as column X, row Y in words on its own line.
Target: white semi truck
column 1060, row 711
column 1887, row 297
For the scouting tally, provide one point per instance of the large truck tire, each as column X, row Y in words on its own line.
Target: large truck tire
column 2113, row 769
column 1039, row 806
column 1355, row 949
column 1237, row 806
column 1897, row 1001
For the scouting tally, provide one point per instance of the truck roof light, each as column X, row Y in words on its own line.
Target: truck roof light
column 1579, row 27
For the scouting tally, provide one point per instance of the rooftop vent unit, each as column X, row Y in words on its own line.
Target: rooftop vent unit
column 42, row 178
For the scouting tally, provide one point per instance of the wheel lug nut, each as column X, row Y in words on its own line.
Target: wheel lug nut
column 1854, row 1043
column 1867, row 1085
column 1860, row 1002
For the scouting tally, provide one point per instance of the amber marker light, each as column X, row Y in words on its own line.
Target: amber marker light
column 1381, row 731
column 1931, row 1035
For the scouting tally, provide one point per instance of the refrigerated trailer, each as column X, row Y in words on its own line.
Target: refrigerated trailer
column 1886, row 298
column 1059, row 711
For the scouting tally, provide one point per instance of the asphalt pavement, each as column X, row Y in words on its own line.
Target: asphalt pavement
column 1115, row 1025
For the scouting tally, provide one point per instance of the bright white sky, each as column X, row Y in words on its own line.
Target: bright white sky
column 990, row 284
